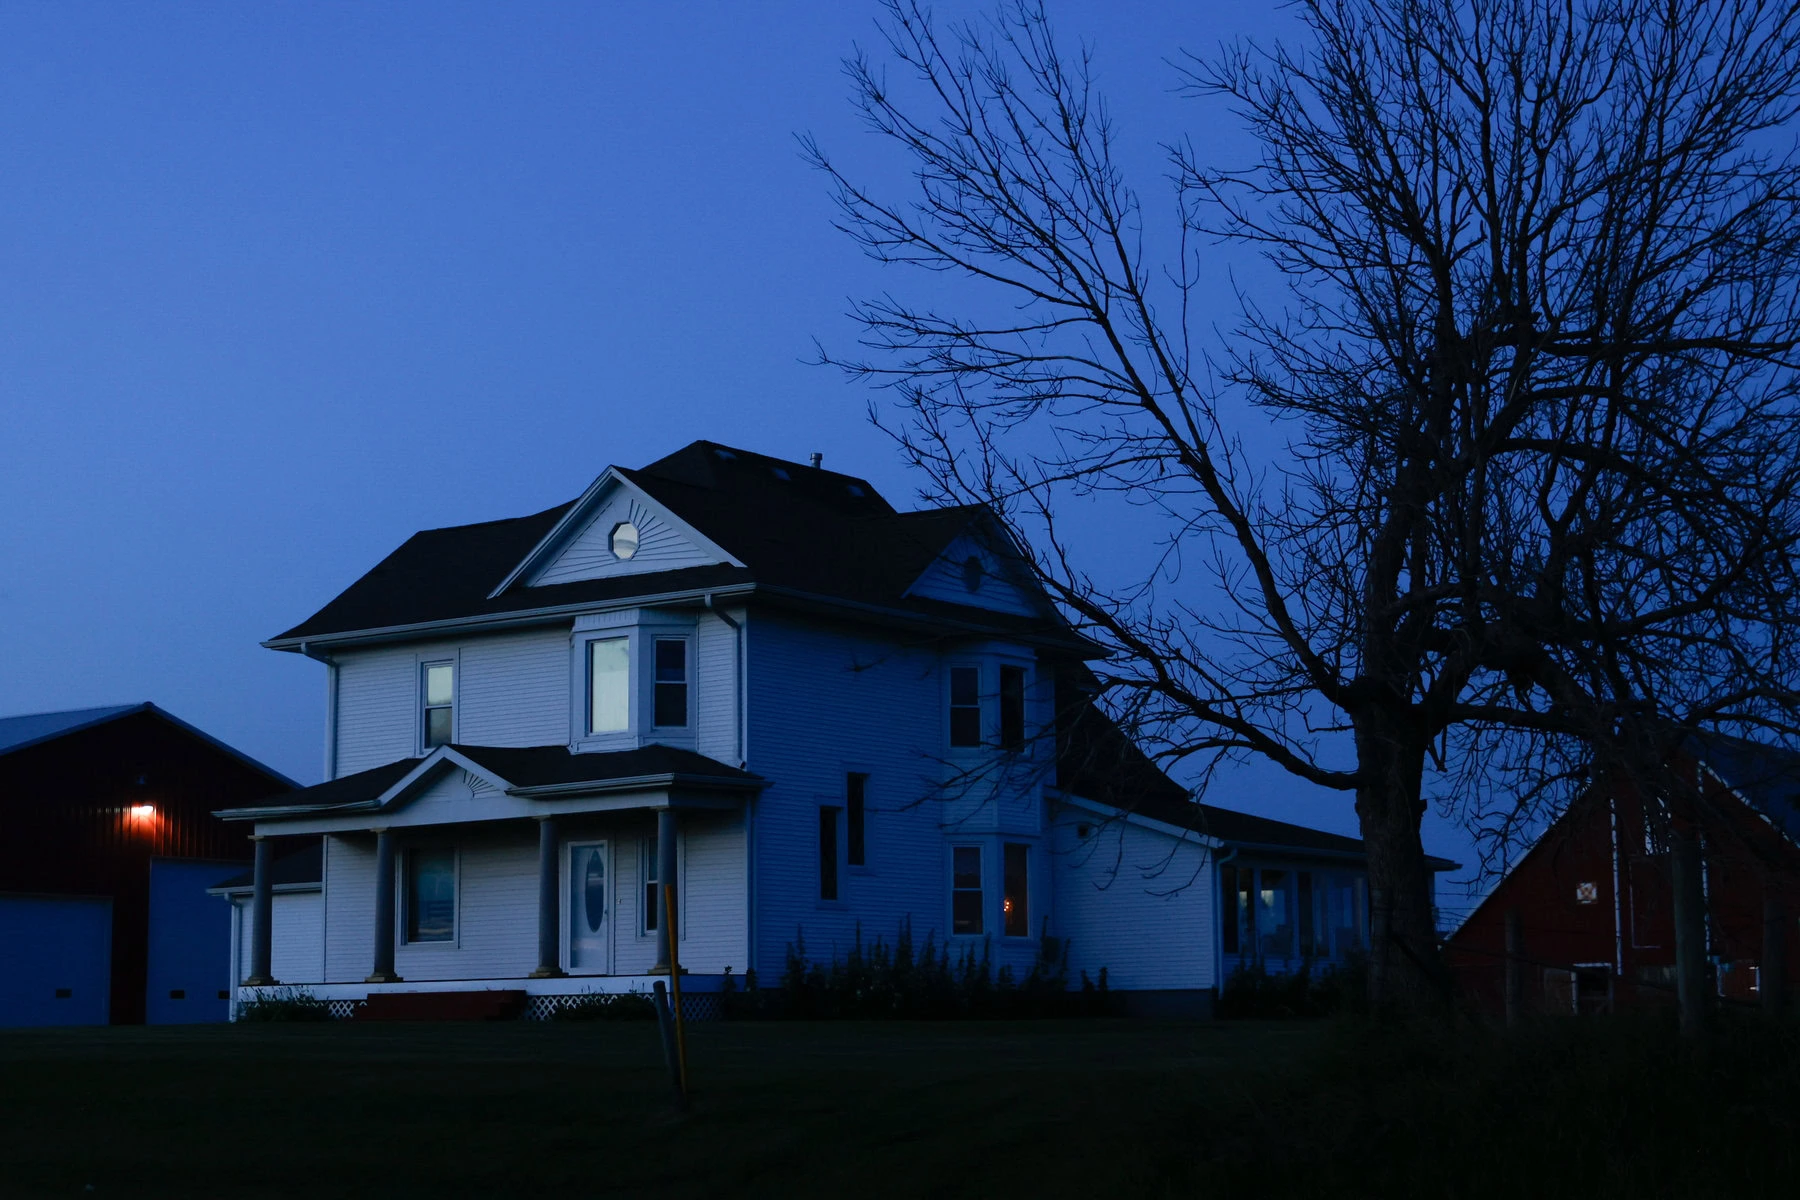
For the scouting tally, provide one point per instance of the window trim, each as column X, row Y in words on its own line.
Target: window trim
column 587, row 655
column 687, row 680
column 426, row 746
column 951, row 708
column 403, row 910
column 1022, row 743
column 981, row 891
column 649, row 910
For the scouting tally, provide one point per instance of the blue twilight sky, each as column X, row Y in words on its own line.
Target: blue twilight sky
column 282, row 283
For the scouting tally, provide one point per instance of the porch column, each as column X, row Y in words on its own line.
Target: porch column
column 665, row 876
column 262, row 913
column 549, row 949
column 384, row 910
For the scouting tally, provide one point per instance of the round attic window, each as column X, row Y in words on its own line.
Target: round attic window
column 972, row 571
column 624, row 539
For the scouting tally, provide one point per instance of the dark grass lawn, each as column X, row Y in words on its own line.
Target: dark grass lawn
column 1091, row 1108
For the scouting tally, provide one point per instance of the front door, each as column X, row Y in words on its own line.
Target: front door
column 589, row 915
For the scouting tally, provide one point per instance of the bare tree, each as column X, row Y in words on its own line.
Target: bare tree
column 1536, row 517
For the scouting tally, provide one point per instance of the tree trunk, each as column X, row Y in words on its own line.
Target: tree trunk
column 1691, row 991
column 1405, row 975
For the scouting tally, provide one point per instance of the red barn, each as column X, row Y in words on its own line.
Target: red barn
column 107, row 847
column 1594, row 897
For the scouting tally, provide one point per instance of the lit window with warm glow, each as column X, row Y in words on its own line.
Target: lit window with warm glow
column 1014, row 891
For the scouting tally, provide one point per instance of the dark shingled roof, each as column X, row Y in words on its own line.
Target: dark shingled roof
column 814, row 532
column 549, row 766
column 527, row 767
column 347, row 789
column 1096, row 761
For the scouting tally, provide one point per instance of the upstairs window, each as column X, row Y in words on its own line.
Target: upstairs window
column 1012, row 708
column 671, row 682
column 440, row 701
column 855, row 790
column 431, row 895
column 965, row 890
column 609, row 685
column 965, row 706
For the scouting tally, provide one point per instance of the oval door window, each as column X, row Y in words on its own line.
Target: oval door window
column 593, row 891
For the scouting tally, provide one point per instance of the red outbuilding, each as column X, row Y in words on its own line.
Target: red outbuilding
column 107, row 847
column 1593, row 899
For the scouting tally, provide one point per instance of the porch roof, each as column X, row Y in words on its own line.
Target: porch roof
column 527, row 772
column 299, row 870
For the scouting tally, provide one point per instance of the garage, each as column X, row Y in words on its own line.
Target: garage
column 56, row 965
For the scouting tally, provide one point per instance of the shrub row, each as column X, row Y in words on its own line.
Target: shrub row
column 928, row 983
column 1251, row 991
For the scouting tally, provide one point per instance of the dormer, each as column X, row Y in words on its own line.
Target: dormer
column 980, row 568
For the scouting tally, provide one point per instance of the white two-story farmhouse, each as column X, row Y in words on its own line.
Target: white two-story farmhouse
column 757, row 682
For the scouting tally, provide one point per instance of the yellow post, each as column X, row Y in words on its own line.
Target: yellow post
column 675, row 981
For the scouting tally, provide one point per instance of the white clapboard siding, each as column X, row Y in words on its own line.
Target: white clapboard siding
column 713, row 915
column 1135, row 901
column 587, row 554
column 514, row 689
column 378, row 705
column 296, row 937
column 349, row 907
column 496, row 901
column 715, row 688
column 634, row 951
column 497, row 898
column 944, row 580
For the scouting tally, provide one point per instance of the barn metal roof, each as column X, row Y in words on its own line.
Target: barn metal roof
column 29, row 729
column 1766, row 776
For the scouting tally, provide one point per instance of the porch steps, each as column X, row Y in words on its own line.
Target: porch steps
column 499, row 1004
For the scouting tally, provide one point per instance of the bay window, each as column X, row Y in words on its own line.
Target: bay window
column 609, row 685
column 965, row 890
column 671, row 700
column 965, row 706
column 1012, row 708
